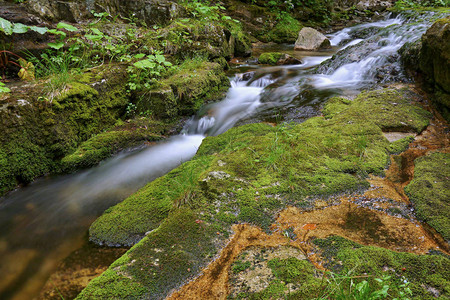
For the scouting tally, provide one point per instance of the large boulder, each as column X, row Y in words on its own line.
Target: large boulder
column 310, row 39
column 434, row 62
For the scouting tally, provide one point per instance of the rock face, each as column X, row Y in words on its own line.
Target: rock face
column 435, row 54
column 148, row 11
column 434, row 63
column 310, row 39
column 376, row 5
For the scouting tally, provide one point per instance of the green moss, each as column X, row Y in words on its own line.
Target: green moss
column 269, row 58
column 121, row 225
column 186, row 91
column 400, row 145
column 239, row 266
column 429, row 191
column 285, row 30
column 424, row 272
column 389, row 109
column 160, row 262
column 103, row 145
column 293, row 279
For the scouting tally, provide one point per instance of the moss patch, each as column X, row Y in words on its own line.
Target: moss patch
column 103, row 145
column 428, row 275
column 429, row 191
column 285, row 30
column 389, row 109
column 269, row 58
column 186, row 91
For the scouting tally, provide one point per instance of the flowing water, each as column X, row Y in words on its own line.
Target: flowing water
column 42, row 223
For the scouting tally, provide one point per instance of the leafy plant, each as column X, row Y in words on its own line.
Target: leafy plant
column 146, row 70
column 3, row 88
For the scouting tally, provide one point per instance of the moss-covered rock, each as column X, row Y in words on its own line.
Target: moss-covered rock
column 244, row 175
column 429, row 191
column 192, row 37
column 37, row 131
column 186, row 91
column 285, row 30
column 269, row 58
column 389, row 109
column 356, row 271
column 276, row 58
column 435, row 57
column 103, row 145
column 434, row 62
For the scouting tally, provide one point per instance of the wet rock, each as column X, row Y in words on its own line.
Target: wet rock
column 310, row 39
column 434, row 55
column 276, row 58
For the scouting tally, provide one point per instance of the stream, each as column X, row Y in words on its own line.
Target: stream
column 44, row 222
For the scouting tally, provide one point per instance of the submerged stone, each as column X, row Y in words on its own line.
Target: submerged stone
column 276, row 58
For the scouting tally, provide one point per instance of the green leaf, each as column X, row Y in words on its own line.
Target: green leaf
column 67, row 27
column 20, row 28
column 41, row 30
column 144, row 64
column 93, row 37
column 56, row 46
column 6, row 26
column 57, row 32
column 160, row 58
column 167, row 63
column 139, row 56
column 97, row 32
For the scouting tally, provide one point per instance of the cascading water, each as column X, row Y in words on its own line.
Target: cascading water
column 37, row 219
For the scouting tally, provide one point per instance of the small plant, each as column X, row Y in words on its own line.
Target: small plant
column 144, row 72
column 3, row 88
column 347, row 287
column 239, row 266
column 131, row 110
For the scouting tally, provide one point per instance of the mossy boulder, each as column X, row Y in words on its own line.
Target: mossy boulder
column 103, row 145
column 245, row 175
column 435, row 57
column 191, row 37
column 388, row 109
column 186, row 91
column 434, row 62
column 276, row 58
column 38, row 131
column 429, row 191
column 269, row 58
